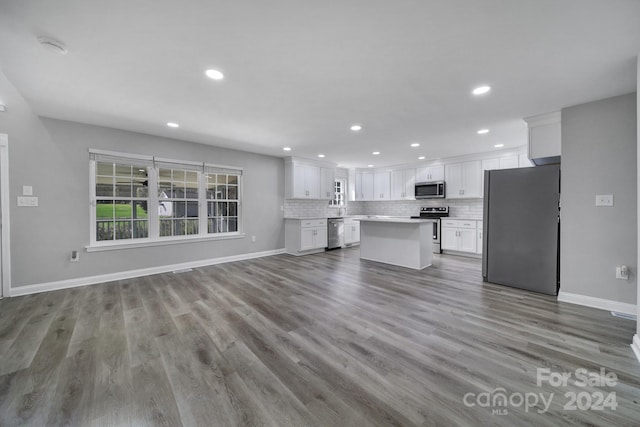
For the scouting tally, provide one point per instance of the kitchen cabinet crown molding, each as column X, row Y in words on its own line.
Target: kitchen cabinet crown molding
column 312, row 162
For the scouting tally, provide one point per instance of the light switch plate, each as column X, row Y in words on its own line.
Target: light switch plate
column 27, row 190
column 27, row 201
column 604, row 200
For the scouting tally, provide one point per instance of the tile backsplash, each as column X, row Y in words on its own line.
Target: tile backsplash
column 468, row 208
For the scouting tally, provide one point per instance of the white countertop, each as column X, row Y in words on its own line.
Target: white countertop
column 461, row 218
column 396, row 220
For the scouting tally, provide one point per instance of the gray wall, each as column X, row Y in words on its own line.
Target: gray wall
column 52, row 156
column 638, row 180
column 599, row 157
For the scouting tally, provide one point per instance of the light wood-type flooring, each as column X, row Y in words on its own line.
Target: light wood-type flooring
column 318, row 340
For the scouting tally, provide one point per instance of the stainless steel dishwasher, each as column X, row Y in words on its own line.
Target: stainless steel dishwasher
column 335, row 232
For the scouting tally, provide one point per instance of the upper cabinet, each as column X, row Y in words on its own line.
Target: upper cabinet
column 431, row 173
column 327, row 183
column 306, row 180
column 382, row 186
column 364, row 186
column 463, row 180
column 403, row 183
column 545, row 135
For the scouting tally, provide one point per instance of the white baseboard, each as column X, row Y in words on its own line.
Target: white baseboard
column 121, row 275
column 635, row 346
column 603, row 304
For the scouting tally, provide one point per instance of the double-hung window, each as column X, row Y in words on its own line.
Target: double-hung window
column 142, row 199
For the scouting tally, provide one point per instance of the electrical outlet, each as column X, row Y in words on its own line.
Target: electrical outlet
column 75, row 256
column 253, row 239
column 604, row 199
column 622, row 272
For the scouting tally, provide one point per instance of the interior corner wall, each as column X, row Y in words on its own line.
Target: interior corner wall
column 638, row 181
column 599, row 157
column 52, row 157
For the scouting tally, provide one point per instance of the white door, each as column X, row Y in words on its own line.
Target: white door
column 397, row 185
column 467, row 239
column 307, row 238
column 382, row 186
column 312, row 181
column 298, row 184
column 449, row 238
column 453, row 179
column 367, row 186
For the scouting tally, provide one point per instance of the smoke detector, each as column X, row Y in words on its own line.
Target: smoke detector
column 52, row 45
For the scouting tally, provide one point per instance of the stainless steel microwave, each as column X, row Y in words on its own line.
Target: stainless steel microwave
column 430, row 190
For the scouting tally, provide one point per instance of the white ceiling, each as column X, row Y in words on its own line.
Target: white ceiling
column 299, row 73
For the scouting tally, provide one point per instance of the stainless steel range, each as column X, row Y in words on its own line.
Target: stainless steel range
column 434, row 212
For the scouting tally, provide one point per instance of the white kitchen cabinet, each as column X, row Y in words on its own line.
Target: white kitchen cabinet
column 507, row 162
column 302, row 181
column 459, row 235
column 524, row 162
column 351, row 231
column 364, row 186
column 305, row 236
column 382, row 186
column 430, row 173
column 479, row 231
column 403, row 184
column 463, row 180
column 327, row 183
column 545, row 137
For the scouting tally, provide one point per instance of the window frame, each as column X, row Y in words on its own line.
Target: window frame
column 153, row 165
column 336, row 201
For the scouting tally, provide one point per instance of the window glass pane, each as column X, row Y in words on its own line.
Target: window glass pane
column 140, row 187
column 210, row 225
column 123, row 187
column 140, row 211
column 123, row 209
column 140, row 229
column 192, row 209
column 123, row 230
column 222, row 225
column 123, row 170
column 211, row 179
column 232, row 193
column 178, row 175
column 164, row 174
column 166, row 227
column 192, row 176
column 191, row 226
column 233, row 209
column 164, row 190
column 221, row 192
column 104, row 186
column 222, row 179
column 105, row 169
column 233, row 224
column 232, row 179
column 165, row 209
column 211, row 207
column 140, row 172
column 191, row 190
column 104, row 209
column 104, row 230
column 222, row 209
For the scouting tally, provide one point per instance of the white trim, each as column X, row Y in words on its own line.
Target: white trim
column 603, row 304
column 142, row 243
column 5, row 201
column 121, row 275
column 544, row 119
column 635, row 346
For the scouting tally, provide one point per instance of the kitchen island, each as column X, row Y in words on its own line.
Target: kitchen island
column 405, row 242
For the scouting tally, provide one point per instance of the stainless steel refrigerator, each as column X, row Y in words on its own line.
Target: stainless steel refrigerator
column 521, row 228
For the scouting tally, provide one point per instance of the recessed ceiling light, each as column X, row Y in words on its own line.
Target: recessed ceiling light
column 375, row 153
column 415, row 144
column 483, row 131
column 499, row 145
column 369, row 166
column 421, row 158
column 356, row 128
column 173, row 125
column 214, row 74
column 321, row 155
column 287, row 148
column 481, row 90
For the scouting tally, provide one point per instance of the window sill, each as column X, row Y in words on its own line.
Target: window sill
column 161, row 242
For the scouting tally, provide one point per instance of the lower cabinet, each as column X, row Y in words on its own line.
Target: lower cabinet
column 459, row 235
column 479, row 238
column 304, row 236
column 351, row 231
